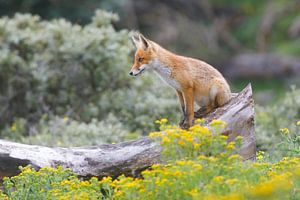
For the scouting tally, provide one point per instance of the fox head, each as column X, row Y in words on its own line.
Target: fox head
column 143, row 54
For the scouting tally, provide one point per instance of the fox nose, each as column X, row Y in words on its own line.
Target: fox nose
column 131, row 73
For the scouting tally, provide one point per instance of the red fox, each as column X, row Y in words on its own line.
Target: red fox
column 194, row 80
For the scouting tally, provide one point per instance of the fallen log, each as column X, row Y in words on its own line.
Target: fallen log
column 130, row 157
column 262, row 66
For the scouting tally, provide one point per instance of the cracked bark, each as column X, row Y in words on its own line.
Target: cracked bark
column 130, row 157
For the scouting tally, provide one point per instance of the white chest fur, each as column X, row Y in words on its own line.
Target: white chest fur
column 165, row 73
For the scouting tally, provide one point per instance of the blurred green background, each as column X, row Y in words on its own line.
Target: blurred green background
column 64, row 64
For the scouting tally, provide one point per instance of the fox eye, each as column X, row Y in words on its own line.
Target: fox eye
column 141, row 59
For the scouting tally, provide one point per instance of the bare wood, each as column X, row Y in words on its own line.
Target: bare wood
column 128, row 158
column 239, row 116
column 103, row 160
column 250, row 65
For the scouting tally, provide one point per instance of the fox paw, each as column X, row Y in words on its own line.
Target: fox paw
column 184, row 125
column 200, row 113
column 182, row 122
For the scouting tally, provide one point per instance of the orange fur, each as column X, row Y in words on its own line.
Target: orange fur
column 194, row 80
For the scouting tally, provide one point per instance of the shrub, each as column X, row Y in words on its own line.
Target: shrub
column 63, row 69
column 270, row 119
column 58, row 131
column 58, row 67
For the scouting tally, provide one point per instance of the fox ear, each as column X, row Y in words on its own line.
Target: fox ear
column 136, row 39
column 144, row 42
column 140, row 41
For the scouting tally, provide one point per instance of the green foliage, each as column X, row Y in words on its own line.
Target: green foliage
column 75, row 10
column 270, row 119
column 58, row 131
column 56, row 68
column 249, row 16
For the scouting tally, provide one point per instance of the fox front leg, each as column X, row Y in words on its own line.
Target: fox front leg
column 181, row 100
column 188, row 96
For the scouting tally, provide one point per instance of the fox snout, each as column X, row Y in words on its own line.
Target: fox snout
column 136, row 71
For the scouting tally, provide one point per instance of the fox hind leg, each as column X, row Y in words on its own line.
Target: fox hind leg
column 200, row 113
column 222, row 98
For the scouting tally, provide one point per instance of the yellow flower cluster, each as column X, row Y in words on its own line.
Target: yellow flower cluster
column 197, row 140
column 285, row 131
column 201, row 164
column 273, row 187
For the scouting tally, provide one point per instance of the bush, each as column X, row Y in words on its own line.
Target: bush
column 270, row 119
column 59, row 131
column 63, row 69
column 205, row 166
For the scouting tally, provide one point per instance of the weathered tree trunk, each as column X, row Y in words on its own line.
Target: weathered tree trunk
column 127, row 157
column 263, row 66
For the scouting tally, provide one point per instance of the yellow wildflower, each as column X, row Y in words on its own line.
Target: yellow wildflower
column 217, row 122
column 298, row 123
column 156, row 166
column 233, row 196
column 277, row 183
column 66, row 119
column 285, row 131
column 161, row 121
column 198, row 167
column 119, row 193
column 199, row 121
column 230, row 145
column 260, row 155
column 142, row 190
column 234, row 157
column 130, row 184
column 165, row 140
column 180, row 162
column 196, row 145
column 155, row 134
column 231, row 181
column 178, row 173
column 84, row 183
column 65, row 182
column 189, row 139
column 204, row 130
column 164, row 120
column 181, row 143
column 202, row 157
column 271, row 173
column 193, row 192
column 212, row 159
column 106, row 179
column 224, row 137
column 13, row 128
column 160, row 182
column 218, row 179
